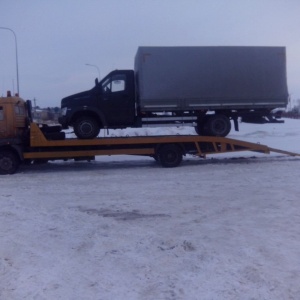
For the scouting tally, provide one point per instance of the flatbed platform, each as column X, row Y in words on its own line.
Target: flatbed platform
column 168, row 150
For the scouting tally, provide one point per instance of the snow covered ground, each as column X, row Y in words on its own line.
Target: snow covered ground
column 227, row 227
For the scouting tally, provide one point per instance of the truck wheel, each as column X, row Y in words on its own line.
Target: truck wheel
column 86, row 128
column 217, row 125
column 9, row 162
column 170, row 155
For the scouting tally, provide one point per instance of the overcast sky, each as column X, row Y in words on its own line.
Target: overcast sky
column 57, row 38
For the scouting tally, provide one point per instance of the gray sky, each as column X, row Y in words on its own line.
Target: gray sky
column 57, row 38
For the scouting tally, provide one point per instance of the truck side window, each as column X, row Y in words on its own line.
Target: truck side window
column 114, row 84
column 118, row 83
column 1, row 113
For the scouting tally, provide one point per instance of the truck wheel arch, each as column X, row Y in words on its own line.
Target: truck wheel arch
column 16, row 149
column 89, row 113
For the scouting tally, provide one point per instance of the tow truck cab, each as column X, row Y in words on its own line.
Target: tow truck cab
column 13, row 117
column 14, row 132
column 15, row 126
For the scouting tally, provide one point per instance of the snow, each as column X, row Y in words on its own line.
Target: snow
column 122, row 227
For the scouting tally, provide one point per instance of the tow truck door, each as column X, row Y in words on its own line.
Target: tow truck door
column 12, row 118
column 117, row 101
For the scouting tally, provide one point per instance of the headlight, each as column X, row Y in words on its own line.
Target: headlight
column 64, row 111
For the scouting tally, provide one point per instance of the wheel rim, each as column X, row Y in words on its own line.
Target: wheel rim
column 6, row 164
column 86, row 128
column 171, row 156
column 219, row 126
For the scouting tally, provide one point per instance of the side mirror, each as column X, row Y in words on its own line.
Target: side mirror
column 96, row 81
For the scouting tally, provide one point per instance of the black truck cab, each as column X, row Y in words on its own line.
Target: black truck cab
column 109, row 104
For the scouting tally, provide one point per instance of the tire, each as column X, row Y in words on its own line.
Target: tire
column 217, row 125
column 9, row 162
column 170, row 155
column 86, row 127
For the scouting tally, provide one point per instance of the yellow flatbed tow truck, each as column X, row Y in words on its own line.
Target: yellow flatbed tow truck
column 22, row 140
